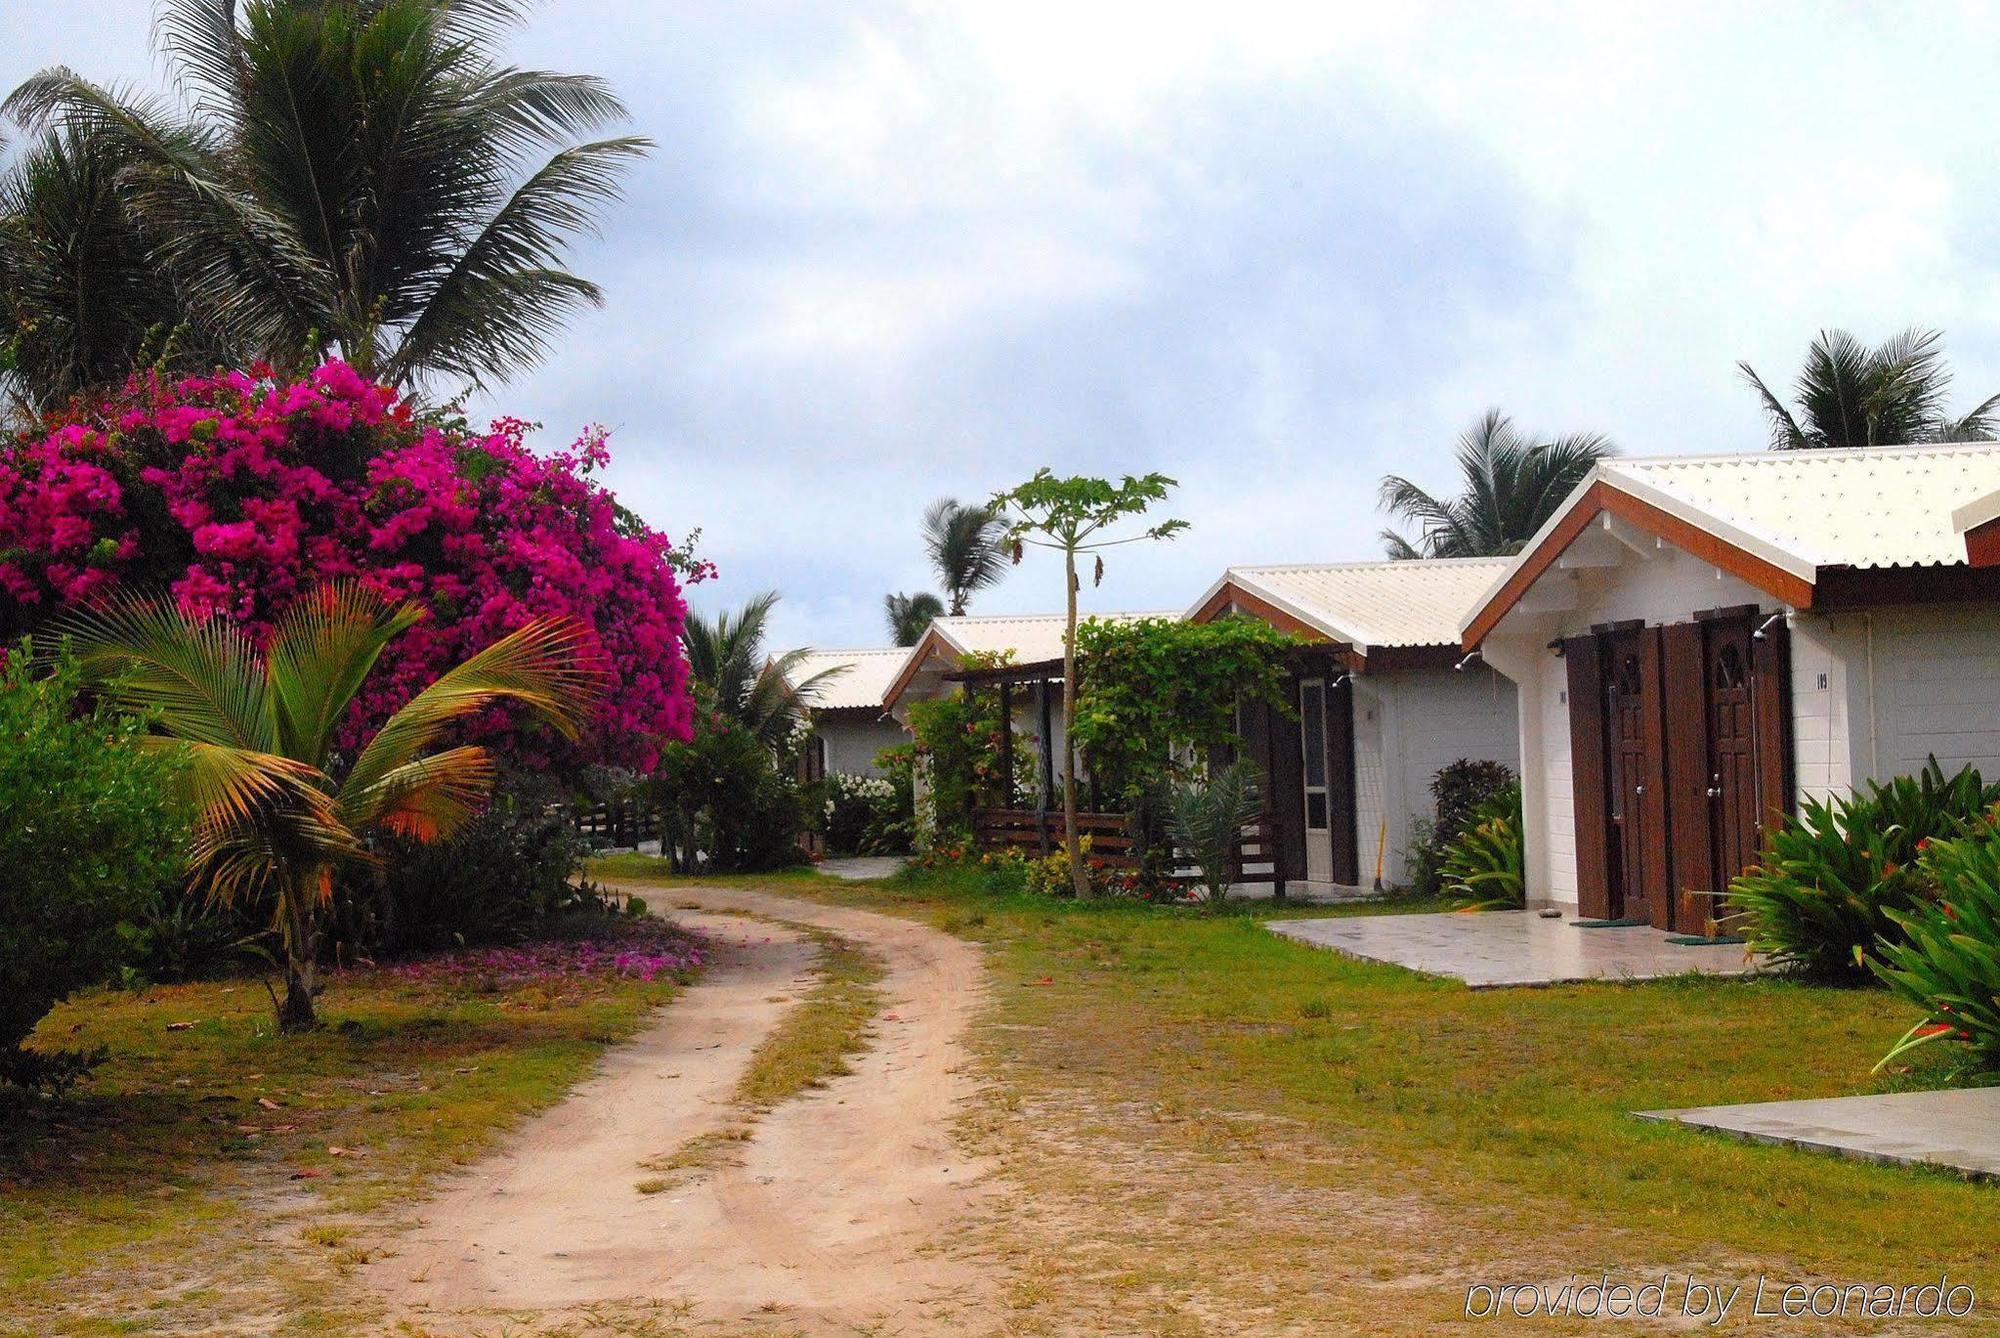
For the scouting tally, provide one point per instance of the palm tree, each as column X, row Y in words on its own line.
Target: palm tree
column 964, row 546
column 911, row 615
column 360, row 176
column 1512, row 486
column 80, row 296
column 1852, row 395
column 279, row 810
column 727, row 662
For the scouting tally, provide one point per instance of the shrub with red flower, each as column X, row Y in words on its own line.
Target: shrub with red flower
column 240, row 490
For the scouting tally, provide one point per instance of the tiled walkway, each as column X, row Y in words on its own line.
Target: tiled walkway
column 1956, row 1129
column 1514, row 948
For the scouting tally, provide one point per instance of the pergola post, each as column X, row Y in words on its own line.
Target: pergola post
column 1006, row 744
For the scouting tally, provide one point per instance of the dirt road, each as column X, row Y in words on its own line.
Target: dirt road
column 826, row 1220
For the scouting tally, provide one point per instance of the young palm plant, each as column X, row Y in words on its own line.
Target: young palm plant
column 727, row 662
column 279, row 810
column 1512, row 485
column 1204, row 816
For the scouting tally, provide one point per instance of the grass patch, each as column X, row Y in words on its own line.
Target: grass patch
column 159, row 1187
column 1232, row 1123
column 813, row 1042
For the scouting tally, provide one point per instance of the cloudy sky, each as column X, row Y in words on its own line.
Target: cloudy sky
column 887, row 252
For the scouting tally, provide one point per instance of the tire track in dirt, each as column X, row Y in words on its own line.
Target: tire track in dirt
column 826, row 1220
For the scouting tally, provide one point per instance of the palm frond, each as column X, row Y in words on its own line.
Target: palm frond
column 320, row 653
column 963, row 543
column 201, row 680
column 911, row 615
column 428, row 798
column 549, row 667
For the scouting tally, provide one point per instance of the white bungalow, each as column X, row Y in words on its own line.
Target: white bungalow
column 1382, row 704
column 849, row 724
column 1698, row 641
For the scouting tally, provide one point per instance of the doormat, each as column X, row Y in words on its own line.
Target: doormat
column 1702, row 940
column 1626, row 923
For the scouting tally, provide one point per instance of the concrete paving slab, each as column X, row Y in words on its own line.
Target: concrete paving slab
column 1958, row 1130
column 1496, row 948
column 861, row 868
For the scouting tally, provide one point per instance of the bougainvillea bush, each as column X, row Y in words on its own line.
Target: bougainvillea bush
column 238, row 491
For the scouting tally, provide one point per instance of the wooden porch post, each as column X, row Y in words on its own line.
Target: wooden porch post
column 1048, row 759
column 1006, row 744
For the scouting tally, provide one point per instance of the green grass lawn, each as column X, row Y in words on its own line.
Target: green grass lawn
column 1200, row 1108
column 212, row 1172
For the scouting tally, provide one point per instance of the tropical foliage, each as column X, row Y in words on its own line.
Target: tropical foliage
column 367, row 178
column 238, row 492
column 957, row 744
column 281, row 805
column 1832, row 881
column 963, row 544
column 1511, row 484
column 1484, row 867
column 1945, row 957
column 81, row 299
column 90, row 836
column 737, row 678
column 1204, row 815
column 910, row 616
column 730, row 803
column 1074, row 516
column 1848, row 394
column 1458, row 791
column 864, row 815
column 1158, row 693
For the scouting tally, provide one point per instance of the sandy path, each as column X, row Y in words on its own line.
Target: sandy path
column 825, row 1220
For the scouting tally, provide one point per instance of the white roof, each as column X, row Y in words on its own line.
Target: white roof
column 864, row 675
column 1800, row 511
column 1031, row 638
column 1368, row 604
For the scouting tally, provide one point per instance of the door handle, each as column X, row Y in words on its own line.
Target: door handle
column 1638, row 789
column 1715, row 792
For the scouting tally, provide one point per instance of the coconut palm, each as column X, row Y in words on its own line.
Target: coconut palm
column 728, row 664
column 364, row 177
column 1512, row 485
column 964, row 547
column 279, row 809
column 911, row 615
column 80, row 296
column 1851, row 395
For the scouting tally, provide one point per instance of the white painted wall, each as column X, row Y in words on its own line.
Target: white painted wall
column 1410, row 724
column 853, row 741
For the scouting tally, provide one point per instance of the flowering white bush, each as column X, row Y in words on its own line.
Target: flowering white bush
column 858, row 810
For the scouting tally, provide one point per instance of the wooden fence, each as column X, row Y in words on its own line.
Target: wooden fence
column 1255, row 859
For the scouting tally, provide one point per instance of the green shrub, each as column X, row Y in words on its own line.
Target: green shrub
column 1484, row 867
column 727, row 805
column 1459, row 791
column 89, row 837
column 510, row 869
column 861, row 815
column 1945, row 955
column 1831, row 880
column 957, row 740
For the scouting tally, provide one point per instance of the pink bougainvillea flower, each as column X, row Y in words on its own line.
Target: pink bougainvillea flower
column 238, row 491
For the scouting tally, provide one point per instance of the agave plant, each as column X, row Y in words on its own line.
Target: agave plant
column 278, row 809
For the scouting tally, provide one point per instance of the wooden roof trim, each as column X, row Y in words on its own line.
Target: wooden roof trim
column 1233, row 592
column 931, row 642
column 1602, row 498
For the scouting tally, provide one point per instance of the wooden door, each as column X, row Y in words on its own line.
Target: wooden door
column 1635, row 777
column 1316, row 803
column 1734, row 803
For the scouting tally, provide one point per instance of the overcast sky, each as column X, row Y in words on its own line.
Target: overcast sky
column 889, row 252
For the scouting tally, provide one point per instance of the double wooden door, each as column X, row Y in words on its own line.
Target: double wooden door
column 1680, row 745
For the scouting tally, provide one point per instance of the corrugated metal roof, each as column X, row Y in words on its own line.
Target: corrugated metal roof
column 1033, row 637
column 1883, row 506
column 1368, row 604
column 865, row 675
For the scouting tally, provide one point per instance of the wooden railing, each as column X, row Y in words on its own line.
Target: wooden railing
column 623, row 823
column 1255, row 859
